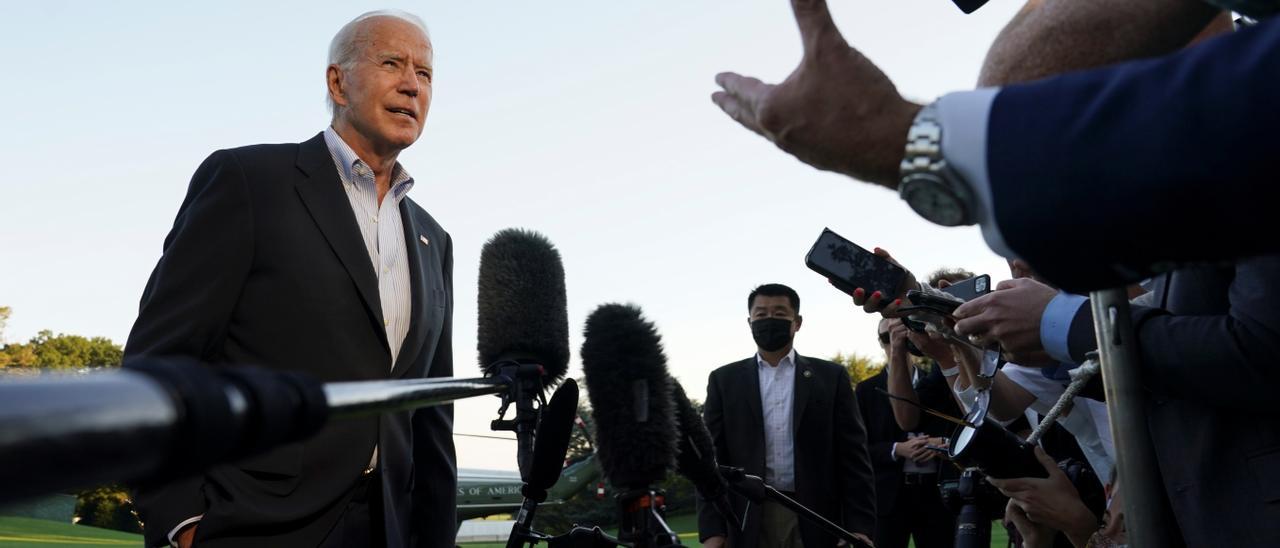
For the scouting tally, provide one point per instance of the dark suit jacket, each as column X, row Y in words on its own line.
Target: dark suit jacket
column 832, row 472
column 1211, row 357
column 883, row 431
column 265, row 266
column 1100, row 177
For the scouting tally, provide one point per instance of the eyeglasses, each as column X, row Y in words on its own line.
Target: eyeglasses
column 884, row 338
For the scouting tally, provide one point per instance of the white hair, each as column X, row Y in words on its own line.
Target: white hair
column 343, row 47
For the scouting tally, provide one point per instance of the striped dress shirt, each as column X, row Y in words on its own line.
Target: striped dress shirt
column 383, row 233
column 777, row 402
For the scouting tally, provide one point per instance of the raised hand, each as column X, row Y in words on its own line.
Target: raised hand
column 837, row 111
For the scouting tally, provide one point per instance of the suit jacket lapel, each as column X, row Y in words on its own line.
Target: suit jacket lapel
column 752, row 381
column 801, row 394
column 420, row 258
column 321, row 192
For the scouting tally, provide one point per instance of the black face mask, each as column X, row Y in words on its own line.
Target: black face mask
column 771, row 334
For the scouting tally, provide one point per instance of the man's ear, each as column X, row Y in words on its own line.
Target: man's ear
column 799, row 320
column 336, row 80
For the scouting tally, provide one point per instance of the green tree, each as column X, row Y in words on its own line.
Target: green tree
column 860, row 367
column 4, row 319
column 108, row 507
column 62, row 351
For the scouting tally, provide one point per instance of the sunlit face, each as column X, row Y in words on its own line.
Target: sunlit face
column 387, row 91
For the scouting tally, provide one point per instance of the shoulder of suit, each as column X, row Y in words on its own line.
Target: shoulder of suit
column 726, row 368
column 820, row 364
column 255, row 154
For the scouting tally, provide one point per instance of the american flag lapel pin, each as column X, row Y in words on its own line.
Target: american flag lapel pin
column 424, row 239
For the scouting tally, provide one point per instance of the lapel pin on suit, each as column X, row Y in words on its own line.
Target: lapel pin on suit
column 808, row 373
column 424, row 240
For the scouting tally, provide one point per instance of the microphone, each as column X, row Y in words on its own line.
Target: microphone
column 154, row 420
column 523, row 328
column 521, row 307
column 552, row 442
column 697, row 457
column 630, row 393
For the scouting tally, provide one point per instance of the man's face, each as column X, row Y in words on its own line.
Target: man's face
column 765, row 306
column 882, row 331
column 387, row 91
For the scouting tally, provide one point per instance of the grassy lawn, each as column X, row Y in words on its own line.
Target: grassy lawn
column 35, row 532
column 687, row 527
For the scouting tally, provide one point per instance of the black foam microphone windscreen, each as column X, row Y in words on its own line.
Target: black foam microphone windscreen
column 521, row 303
column 697, row 458
column 630, row 394
column 554, row 431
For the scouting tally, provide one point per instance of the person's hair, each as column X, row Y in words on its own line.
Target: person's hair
column 345, row 44
column 775, row 290
column 951, row 275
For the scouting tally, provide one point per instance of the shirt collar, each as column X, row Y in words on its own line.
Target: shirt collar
column 788, row 360
column 346, row 161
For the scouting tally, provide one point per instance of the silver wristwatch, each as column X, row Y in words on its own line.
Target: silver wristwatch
column 928, row 183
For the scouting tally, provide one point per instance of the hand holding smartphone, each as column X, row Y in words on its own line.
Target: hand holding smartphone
column 849, row 267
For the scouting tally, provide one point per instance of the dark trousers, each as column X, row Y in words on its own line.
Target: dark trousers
column 361, row 524
column 919, row 512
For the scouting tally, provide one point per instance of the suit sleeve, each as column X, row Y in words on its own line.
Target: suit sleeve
column 881, row 452
column 187, row 305
column 1226, row 360
column 1143, row 163
column 710, row 522
column 856, row 483
column 434, row 458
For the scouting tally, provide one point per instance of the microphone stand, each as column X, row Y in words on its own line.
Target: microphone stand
column 754, row 489
column 642, row 524
column 524, row 388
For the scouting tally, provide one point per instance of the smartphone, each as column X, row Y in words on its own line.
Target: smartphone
column 970, row 289
column 849, row 267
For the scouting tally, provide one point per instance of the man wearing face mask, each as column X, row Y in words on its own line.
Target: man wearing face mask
column 794, row 421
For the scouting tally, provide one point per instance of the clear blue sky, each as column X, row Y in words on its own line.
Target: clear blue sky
column 588, row 121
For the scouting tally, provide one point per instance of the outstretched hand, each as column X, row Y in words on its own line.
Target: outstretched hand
column 837, row 111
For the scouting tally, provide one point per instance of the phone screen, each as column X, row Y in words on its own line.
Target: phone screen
column 970, row 289
column 849, row 266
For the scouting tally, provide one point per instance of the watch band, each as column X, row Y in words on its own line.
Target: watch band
column 928, row 184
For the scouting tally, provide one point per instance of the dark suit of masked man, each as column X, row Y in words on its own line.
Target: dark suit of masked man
column 311, row 257
column 793, row 421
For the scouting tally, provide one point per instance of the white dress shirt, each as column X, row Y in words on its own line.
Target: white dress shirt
column 777, row 402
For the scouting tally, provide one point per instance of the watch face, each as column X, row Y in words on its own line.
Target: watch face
column 933, row 201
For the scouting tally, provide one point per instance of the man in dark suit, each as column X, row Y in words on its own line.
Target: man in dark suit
column 1208, row 340
column 310, row 257
column 908, row 502
column 1032, row 162
column 792, row 420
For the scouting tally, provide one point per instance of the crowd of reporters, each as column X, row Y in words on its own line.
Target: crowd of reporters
column 1110, row 145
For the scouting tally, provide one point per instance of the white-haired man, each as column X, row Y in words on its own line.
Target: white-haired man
column 309, row 256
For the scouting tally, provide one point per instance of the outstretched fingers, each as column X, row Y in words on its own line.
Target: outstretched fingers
column 741, row 98
column 817, row 29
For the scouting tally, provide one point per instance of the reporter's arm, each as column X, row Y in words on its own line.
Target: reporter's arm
column 899, row 379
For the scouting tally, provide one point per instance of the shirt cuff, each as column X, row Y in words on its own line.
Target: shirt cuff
column 174, row 532
column 964, row 116
column 893, row 452
column 1055, row 324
